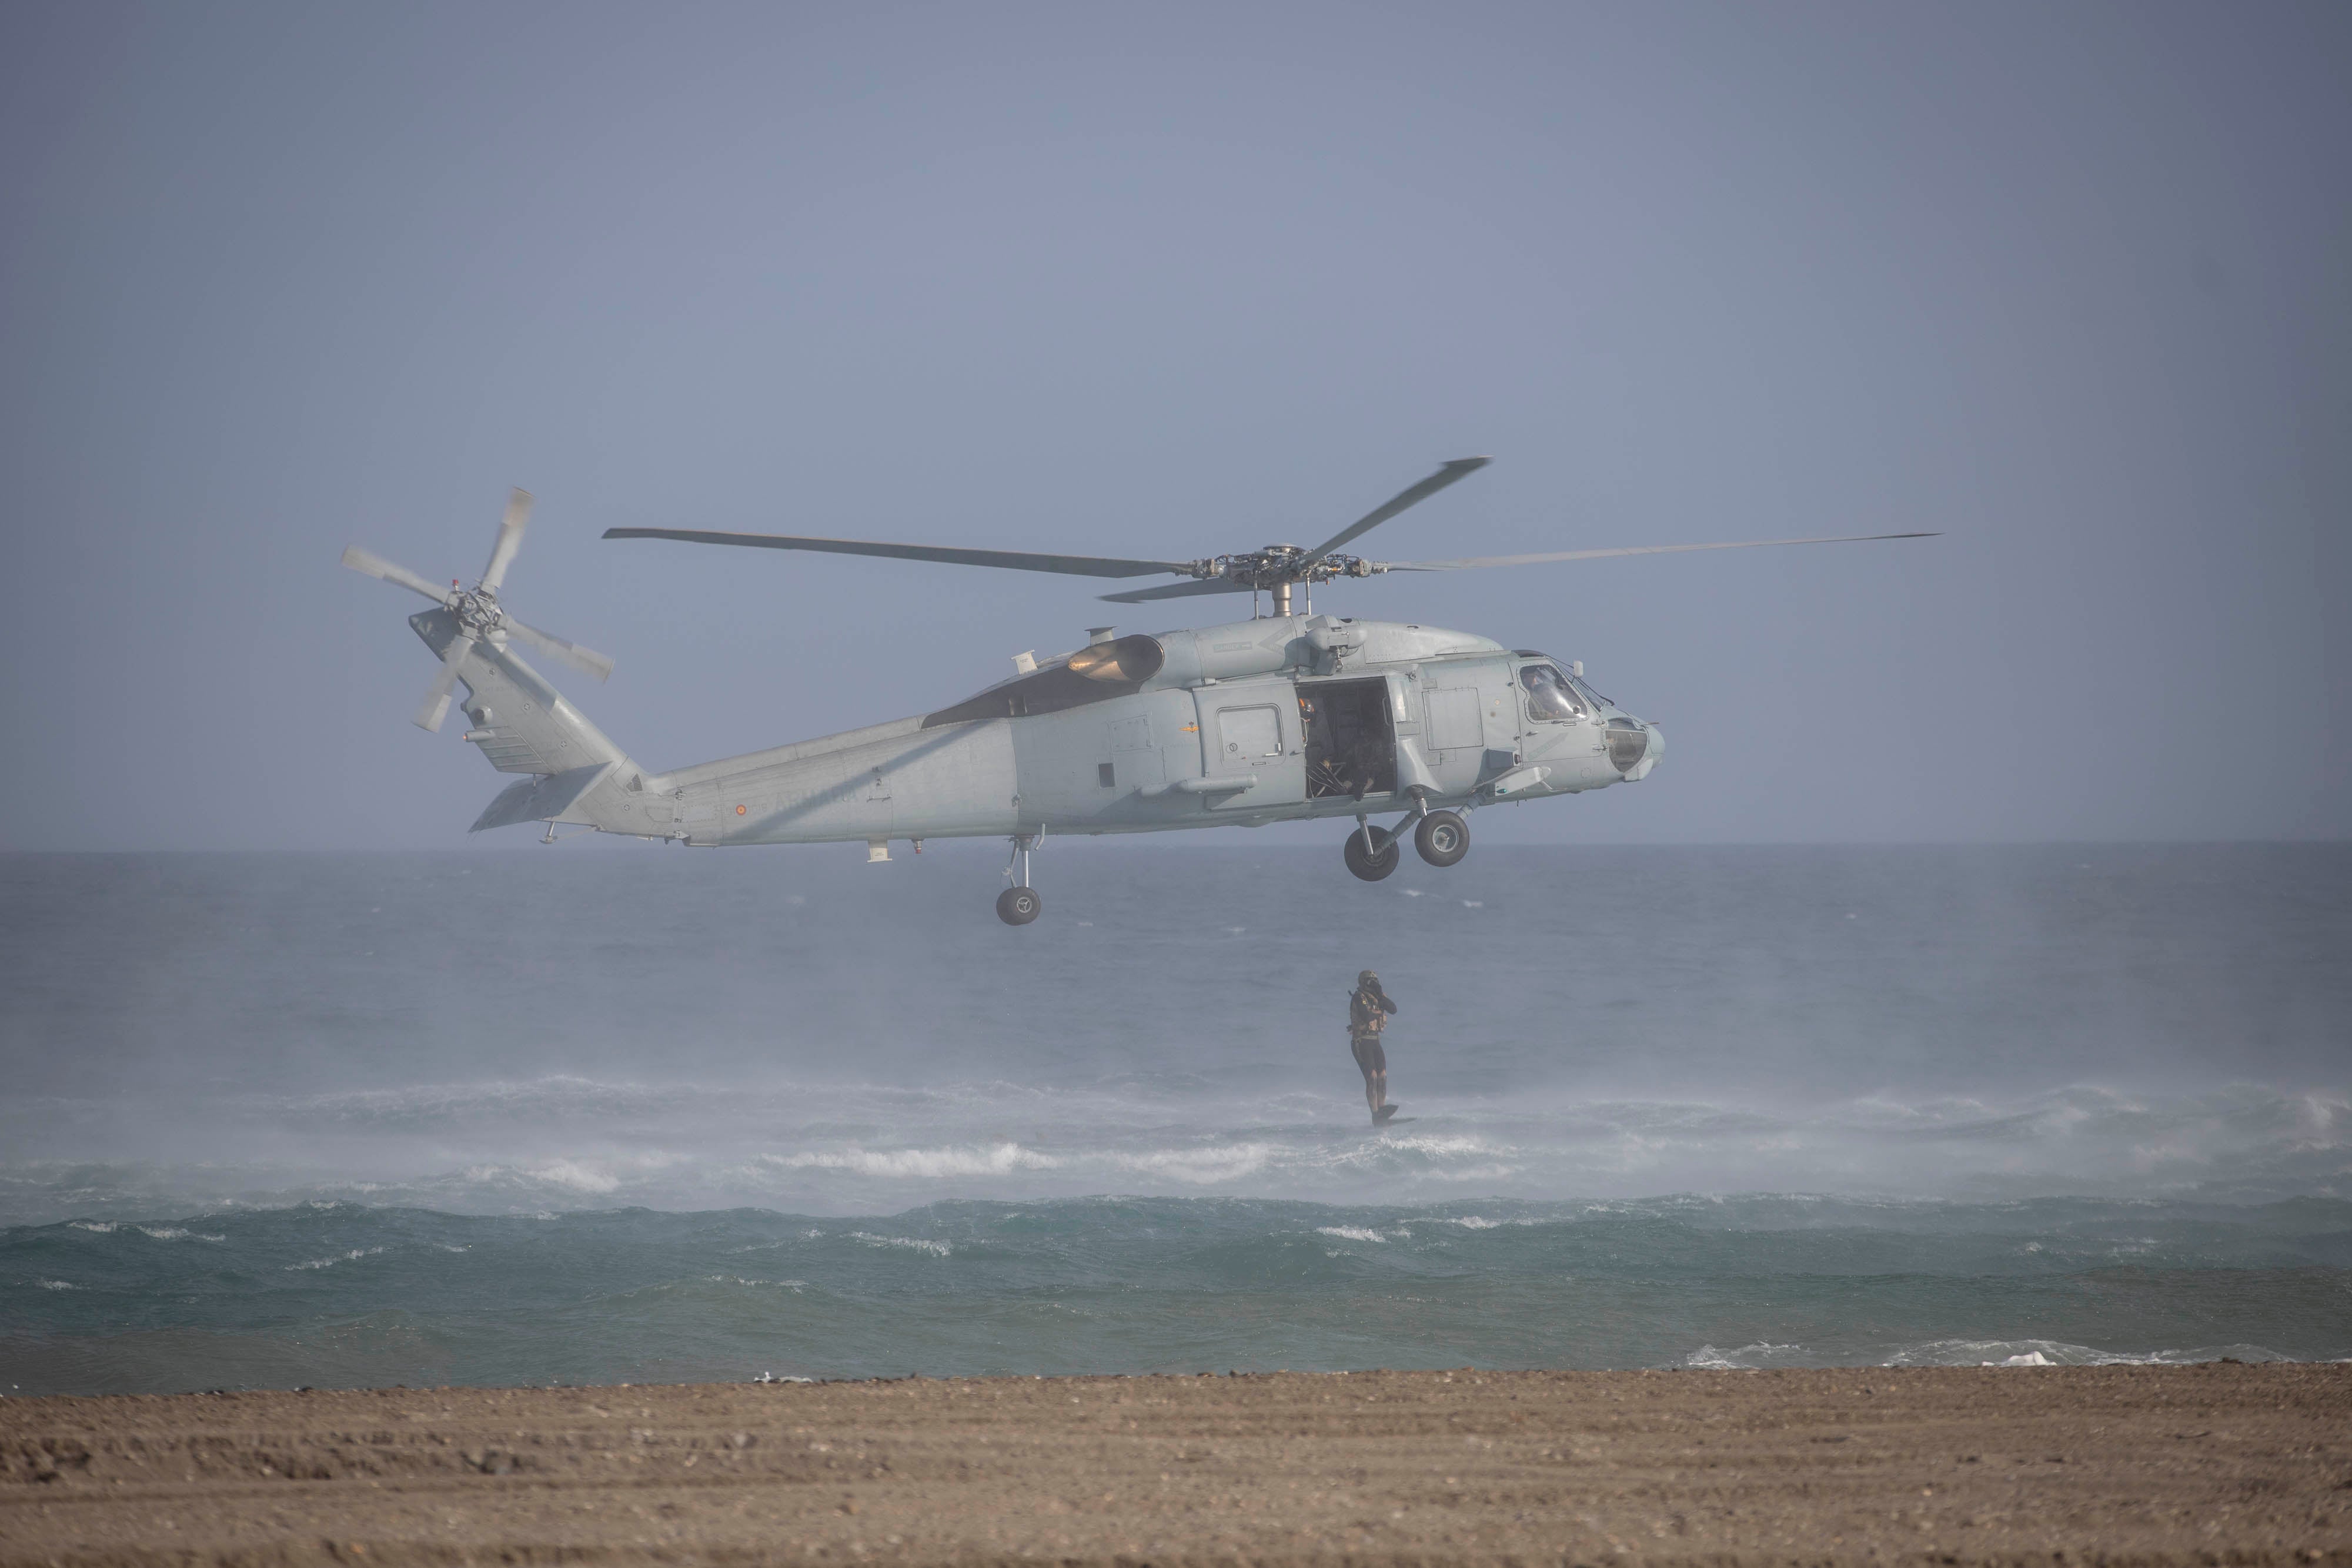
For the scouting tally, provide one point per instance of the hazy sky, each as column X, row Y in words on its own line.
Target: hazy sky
column 2071, row 283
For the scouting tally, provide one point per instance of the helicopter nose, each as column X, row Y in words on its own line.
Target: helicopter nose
column 1634, row 746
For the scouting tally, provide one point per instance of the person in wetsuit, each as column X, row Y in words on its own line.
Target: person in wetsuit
column 1368, row 1014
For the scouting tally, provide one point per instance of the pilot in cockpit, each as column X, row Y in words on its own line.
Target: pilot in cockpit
column 1551, row 695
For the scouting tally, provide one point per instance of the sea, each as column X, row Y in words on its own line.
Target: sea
column 588, row 1113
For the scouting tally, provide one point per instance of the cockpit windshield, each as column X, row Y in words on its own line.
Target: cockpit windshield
column 1553, row 696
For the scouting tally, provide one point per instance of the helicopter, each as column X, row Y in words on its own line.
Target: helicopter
column 1284, row 716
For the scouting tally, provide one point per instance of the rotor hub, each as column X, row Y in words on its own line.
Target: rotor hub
column 1276, row 566
column 476, row 611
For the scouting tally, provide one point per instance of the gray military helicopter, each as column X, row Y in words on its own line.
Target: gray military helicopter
column 1287, row 716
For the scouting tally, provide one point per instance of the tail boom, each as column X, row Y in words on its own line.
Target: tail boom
column 572, row 771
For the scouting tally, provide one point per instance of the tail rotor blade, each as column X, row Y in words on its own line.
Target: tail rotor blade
column 435, row 705
column 571, row 652
column 375, row 565
column 509, row 540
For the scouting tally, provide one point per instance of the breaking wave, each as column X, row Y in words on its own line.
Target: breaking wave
column 851, row 1148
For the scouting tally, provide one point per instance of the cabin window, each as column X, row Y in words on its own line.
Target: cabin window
column 1109, row 778
column 1550, row 696
column 1249, row 733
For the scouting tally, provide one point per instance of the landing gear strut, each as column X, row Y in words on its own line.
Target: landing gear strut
column 1019, row 903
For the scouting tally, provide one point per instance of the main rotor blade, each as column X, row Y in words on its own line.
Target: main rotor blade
column 1176, row 590
column 502, row 553
column 571, row 652
column 1460, row 467
column 1012, row 560
column 435, row 705
column 1632, row 549
column 375, row 565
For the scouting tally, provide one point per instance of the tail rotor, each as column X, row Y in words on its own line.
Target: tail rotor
column 477, row 615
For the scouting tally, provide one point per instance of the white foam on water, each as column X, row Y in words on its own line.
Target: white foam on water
column 1350, row 1233
column 919, row 1163
column 569, row 1142
column 1747, row 1358
column 912, row 1243
column 1200, row 1167
column 2057, row 1352
column 355, row 1253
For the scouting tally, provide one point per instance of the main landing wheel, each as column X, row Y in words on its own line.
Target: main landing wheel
column 1018, row 905
column 1443, row 838
column 1377, row 863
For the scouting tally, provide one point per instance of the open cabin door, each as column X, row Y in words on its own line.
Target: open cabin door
column 1351, row 748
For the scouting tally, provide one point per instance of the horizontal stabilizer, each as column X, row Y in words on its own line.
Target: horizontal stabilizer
column 540, row 797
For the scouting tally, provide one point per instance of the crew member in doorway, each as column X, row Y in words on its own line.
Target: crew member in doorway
column 1367, row 1015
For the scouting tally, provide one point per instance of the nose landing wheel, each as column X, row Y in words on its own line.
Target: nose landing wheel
column 1372, row 853
column 1443, row 838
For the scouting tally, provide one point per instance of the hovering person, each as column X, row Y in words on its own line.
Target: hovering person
column 1367, row 1015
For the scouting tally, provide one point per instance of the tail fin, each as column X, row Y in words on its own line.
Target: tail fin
column 574, row 774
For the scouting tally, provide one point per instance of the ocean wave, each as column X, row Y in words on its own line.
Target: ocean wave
column 1144, row 1283
column 355, row 1253
column 2057, row 1352
column 1997, row 1352
column 1199, row 1166
column 795, row 1286
column 1747, row 1358
column 911, row 1243
column 857, row 1146
column 932, row 1162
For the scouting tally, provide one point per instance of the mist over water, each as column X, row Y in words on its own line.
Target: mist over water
column 791, row 1051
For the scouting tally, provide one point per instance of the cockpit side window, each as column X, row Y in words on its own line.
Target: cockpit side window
column 1550, row 696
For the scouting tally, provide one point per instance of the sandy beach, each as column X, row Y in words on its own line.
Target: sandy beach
column 2210, row 1464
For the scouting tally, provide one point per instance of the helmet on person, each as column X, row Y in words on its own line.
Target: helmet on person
column 1368, row 978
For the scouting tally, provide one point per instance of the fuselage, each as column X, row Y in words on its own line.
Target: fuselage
column 1269, row 720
